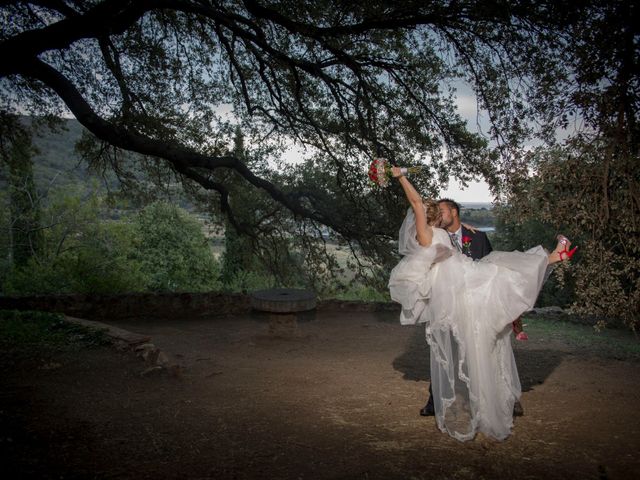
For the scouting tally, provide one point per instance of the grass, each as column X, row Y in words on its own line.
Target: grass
column 45, row 331
column 621, row 344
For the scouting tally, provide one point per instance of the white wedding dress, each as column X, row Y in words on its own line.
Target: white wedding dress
column 468, row 307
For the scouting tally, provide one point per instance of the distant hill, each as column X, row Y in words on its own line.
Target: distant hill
column 56, row 159
column 482, row 218
column 57, row 164
column 477, row 205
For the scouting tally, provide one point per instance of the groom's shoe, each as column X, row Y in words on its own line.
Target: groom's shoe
column 428, row 410
column 518, row 411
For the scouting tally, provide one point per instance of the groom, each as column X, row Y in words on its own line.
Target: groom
column 474, row 244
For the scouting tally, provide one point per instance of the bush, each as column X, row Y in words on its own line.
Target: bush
column 173, row 252
column 244, row 281
column 513, row 233
column 80, row 252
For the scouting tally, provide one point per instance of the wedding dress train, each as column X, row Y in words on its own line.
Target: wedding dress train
column 468, row 307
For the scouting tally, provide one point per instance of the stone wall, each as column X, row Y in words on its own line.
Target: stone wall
column 163, row 305
column 140, row 305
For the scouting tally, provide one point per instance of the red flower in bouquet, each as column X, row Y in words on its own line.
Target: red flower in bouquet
column 380, row 172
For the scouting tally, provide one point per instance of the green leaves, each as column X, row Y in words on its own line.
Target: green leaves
column 172, row 250
column 161, row 248
column 584, row 192
column 81, row 252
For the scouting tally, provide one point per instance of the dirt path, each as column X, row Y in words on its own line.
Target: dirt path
column 339, row 400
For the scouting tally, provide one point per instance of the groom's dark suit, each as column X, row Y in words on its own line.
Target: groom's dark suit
column 479, row 247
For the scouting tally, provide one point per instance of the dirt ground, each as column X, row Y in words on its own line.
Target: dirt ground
column 336, row 399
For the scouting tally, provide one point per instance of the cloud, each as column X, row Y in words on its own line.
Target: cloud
column 474, row 192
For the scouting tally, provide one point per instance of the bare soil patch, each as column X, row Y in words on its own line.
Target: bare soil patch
column 338, row 399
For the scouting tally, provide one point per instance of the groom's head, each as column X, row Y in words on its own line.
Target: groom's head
column 450, row 212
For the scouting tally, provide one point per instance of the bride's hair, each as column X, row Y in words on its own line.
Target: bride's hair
column 431, row 210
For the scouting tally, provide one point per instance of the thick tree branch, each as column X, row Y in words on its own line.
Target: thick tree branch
column 107, row 18
column 182, row 159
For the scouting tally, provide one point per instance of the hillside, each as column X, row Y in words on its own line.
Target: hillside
column 56, row 160
column 57, row 157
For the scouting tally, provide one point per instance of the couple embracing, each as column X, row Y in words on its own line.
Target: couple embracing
column 468, row 297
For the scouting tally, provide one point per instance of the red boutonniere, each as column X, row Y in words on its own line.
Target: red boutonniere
column 466, row 244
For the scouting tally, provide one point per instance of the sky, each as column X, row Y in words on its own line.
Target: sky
column 475, row 192
column 468, row 109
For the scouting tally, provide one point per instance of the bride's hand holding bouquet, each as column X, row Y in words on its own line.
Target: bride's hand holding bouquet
column 398, row 172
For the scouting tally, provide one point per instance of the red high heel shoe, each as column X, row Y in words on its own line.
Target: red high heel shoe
column 564, row 241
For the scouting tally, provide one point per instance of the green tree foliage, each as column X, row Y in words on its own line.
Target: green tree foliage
column 589, row 186
column 81, row 252
column 573, row 193
column 515, row 232
column 16, row 151
column 264, row 246
column 172, row 250
column 5, row 239
column 238, row 258
column 161, row 248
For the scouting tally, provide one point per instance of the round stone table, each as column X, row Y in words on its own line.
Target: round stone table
column 283, row 305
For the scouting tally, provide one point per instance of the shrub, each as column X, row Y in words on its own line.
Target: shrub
column 173, row 252
column 80, row 253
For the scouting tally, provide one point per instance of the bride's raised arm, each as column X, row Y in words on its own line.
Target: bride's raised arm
column 424, row 233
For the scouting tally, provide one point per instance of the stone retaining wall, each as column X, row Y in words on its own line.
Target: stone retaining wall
column 163, row 305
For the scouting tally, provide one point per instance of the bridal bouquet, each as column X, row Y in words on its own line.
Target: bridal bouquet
column 380, row 171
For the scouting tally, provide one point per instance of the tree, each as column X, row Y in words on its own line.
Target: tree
column 238, row 249
column 24, row 230
column 173, row 252
column 343, row 80
column 80, row 252
column 589, row 185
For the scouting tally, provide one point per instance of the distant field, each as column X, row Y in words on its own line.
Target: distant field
column 342, row 253
column 477, row 205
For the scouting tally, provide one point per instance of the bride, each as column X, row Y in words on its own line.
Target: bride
column 468, row 307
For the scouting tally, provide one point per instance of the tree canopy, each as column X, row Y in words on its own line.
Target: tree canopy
column 172, row 80
column 347, row 80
